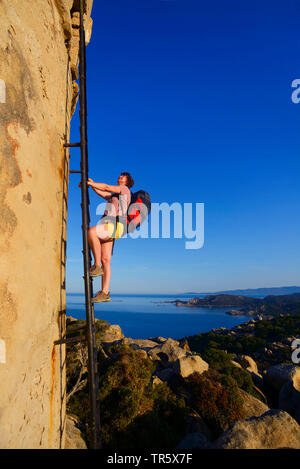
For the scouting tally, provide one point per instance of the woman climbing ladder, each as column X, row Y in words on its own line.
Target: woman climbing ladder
column 112, row 226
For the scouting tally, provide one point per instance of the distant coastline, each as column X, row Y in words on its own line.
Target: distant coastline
column 261, row 308
column 253, row 291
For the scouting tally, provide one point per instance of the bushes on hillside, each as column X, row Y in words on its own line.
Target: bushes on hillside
column 221, row 361
column 262, row 332
column 217, row 399
column 163, row 426
column 133, row 413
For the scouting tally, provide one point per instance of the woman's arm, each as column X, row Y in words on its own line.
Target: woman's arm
column 104, row 187
column 106, row 195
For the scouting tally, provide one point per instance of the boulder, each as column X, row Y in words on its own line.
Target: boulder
column 142, row 353
column 276, row 376
column 196, row 424
column 111, row 334
column 273, row 430
column 248, row 363
column 185, row 345
column 167, row 352
column 189, row 364
column 73, row 438
column 166, row 374
column 158, row 340
column 195, row 441
column 252, row 407
column 289, row 399
column 137, row 344
column 257, row 380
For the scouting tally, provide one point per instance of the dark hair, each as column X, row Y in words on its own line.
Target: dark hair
column 130, row 180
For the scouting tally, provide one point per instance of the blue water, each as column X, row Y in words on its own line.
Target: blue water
column 143, row 316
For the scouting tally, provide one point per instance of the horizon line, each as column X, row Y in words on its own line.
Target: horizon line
column 191, row 292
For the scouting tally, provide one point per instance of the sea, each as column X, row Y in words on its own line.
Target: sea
column 144, row 316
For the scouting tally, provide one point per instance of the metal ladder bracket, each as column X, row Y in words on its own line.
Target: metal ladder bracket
column 72, row 145
column 69, row 340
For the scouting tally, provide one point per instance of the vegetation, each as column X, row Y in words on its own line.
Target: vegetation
column 136, row 414
column 221, row 361
column 247, row 342
column 216, row 399
column 133, row 412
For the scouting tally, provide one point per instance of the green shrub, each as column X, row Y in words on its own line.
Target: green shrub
column 133, row 413
column 217, row 359
column 162, row 427
column 221, row 361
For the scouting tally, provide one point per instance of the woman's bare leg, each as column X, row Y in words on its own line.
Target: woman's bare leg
column 106, row 248
column 95, row 235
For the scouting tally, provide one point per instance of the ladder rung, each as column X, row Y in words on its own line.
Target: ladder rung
column 72, row 145
column 77, row 328
column 69, row 340
column 74, row 171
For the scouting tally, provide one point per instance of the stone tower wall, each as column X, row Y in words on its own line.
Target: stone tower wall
column 39, row 42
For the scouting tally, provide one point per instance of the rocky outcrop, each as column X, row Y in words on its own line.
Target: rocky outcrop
column 273, row 430
column 170, row 357
column 276, row 376
column 165, row 375
column 167, row 352
column 189, row 364
column 35, row 118
column 73, row 439
column 248, row 363
column 289, row 397
column 199, row 435
column 252, row 407
column 158, row 340
column 289, row 400
column 112, row 334
column 138, row 344
column 196, row 424
column 256, row 425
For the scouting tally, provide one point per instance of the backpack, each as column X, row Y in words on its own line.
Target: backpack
column 138, row 210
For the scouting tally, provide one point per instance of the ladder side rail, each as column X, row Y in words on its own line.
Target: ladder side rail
column 90, row 320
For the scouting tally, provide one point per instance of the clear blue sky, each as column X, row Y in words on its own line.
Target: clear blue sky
column 194, row 99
